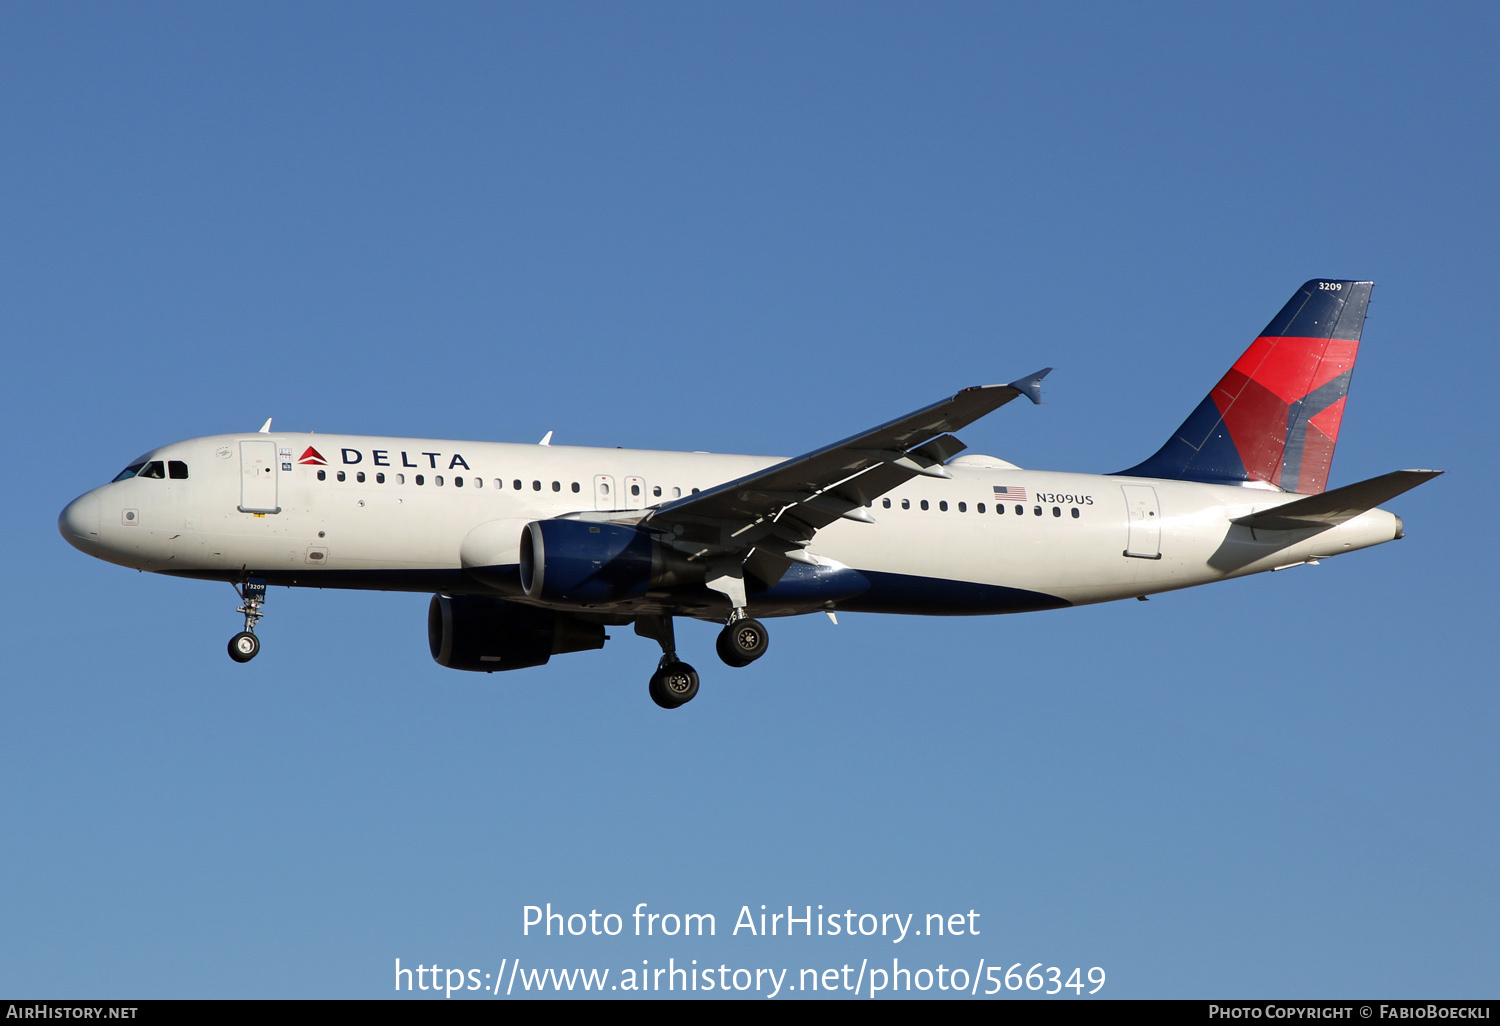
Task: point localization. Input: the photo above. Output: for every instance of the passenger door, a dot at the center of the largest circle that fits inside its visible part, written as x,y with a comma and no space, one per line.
1144,540
258,477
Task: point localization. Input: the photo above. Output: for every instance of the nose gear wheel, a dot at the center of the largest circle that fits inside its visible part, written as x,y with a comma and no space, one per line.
243,647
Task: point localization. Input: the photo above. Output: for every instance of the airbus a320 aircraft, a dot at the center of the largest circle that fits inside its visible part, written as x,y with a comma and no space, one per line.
534,550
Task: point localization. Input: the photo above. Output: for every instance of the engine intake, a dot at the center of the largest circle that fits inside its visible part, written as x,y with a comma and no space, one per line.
474,632
596,564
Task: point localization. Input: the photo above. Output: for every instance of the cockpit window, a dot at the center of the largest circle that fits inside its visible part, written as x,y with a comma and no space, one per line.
155,469
128,472
177,470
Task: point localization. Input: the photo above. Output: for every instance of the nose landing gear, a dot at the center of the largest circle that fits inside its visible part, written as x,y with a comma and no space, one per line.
244,646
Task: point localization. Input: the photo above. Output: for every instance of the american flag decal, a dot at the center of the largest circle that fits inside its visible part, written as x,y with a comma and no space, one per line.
1010,493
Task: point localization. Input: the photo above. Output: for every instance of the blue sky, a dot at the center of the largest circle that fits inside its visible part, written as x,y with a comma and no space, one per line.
745,228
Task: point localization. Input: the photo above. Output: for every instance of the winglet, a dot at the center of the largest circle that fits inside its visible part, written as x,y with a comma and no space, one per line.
1031,385
265,429
546,439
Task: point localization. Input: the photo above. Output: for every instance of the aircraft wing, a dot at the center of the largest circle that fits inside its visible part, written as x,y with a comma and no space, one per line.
1331,508
778,510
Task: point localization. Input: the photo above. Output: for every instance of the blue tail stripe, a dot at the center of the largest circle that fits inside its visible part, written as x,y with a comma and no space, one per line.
1201,450
1322,308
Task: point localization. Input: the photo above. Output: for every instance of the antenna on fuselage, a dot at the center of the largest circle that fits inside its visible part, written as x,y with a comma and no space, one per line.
265,429
546,439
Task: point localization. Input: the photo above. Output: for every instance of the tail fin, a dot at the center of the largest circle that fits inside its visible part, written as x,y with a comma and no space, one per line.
1275,416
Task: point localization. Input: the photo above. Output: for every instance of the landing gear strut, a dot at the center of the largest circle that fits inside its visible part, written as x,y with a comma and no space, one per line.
743,640
244,646
674,683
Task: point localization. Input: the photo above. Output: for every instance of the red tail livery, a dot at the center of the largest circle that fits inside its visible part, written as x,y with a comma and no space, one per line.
1275,416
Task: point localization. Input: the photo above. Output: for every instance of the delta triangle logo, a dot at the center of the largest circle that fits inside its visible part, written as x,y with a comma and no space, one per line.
313,457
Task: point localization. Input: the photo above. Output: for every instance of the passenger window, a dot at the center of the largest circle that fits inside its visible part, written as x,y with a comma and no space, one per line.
479,482
695,491
130,471
999,508
979,508
676,493
1075,512
359,475
943,505
517,483
575,487
885,503
341,475
499,484
1057,511
380,478
458,482
906,504
437,481
177,470
155,470
557,486
1021,510
419,479
963,507
322,475
1037,510
536,486
635,490
924,503
656,491
401,479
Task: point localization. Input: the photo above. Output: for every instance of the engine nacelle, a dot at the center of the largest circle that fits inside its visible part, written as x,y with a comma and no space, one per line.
596,564
474,632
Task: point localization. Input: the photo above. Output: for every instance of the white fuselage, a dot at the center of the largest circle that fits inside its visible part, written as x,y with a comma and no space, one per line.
425,512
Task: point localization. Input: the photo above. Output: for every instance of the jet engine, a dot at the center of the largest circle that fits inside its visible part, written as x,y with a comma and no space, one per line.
577,562
475,632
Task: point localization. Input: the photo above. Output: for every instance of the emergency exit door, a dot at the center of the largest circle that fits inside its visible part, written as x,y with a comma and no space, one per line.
604,492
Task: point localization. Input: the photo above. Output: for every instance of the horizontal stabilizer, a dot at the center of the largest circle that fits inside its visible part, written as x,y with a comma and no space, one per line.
1329,509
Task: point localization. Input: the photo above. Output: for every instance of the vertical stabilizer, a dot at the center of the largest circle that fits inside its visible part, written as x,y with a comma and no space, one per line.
1275,416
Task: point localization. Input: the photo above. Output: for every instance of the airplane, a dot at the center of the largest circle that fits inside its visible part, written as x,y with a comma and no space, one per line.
531,551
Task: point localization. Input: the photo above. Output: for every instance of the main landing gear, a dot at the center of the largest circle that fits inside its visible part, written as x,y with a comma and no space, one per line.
743,640
244,646
674,683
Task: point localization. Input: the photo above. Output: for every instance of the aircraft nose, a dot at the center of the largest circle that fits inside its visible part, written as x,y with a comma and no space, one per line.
79,523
